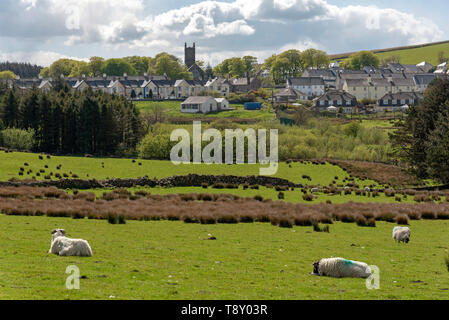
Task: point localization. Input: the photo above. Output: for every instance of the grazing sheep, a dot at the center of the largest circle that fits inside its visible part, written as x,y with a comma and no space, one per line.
314,190
341,268
401,234
63,246
367,189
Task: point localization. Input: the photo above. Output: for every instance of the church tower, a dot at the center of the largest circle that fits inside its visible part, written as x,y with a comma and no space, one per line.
190,55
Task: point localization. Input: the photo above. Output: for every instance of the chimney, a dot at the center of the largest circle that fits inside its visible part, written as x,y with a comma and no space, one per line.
40,77
61,76
83,76
17,77
248,79
125,75
104,75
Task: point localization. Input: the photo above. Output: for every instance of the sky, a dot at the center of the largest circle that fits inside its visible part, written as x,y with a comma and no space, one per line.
42,31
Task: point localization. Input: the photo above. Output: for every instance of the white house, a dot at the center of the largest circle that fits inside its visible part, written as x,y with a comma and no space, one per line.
199,105
311,86
222,104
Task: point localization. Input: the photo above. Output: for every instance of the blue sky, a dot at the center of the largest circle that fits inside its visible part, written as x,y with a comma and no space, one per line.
41,31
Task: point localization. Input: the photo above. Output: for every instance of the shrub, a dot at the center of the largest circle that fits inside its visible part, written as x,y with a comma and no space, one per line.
112,218
446,260
121,219
281,196
22,140
307,197
402,219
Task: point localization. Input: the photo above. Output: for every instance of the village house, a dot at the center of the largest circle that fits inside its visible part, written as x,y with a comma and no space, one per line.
311,86
222,104
220,85
201,104
338,99
289,95
394,101
244,85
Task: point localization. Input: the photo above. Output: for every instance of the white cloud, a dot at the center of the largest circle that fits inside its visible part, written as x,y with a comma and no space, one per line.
40,58
259,26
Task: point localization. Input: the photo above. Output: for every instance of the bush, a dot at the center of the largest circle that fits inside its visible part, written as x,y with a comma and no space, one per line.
156,147
446,260
22,140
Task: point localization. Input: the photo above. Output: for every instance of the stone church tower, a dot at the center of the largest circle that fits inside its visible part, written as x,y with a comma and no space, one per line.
190,55
190,61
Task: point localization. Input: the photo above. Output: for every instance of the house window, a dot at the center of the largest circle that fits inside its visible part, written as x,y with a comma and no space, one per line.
339,102
385,102
322,102
348,102
394,102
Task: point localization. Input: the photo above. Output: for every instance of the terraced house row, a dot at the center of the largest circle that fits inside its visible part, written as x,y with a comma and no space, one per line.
138,87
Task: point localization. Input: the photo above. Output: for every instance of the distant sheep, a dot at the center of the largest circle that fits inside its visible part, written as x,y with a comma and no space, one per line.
63,246
367,189
314,190
341,268
401,234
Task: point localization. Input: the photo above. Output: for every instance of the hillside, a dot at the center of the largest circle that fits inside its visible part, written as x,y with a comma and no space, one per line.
409,54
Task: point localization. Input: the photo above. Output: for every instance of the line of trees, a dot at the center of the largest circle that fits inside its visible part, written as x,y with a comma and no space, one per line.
66,122
24,70
423,138
161,64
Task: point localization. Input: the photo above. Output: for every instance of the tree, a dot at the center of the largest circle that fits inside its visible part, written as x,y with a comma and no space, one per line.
317,59
234,67
250,64
118,67
169,65
60,67
96,65
140,64
7,75
421,139
390,59
361,59
81,68
9,110
442,58
287,64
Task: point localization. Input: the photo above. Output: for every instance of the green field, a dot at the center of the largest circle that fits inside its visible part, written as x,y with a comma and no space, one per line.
417,55
267,193
173,260
410,55
91,168
172,109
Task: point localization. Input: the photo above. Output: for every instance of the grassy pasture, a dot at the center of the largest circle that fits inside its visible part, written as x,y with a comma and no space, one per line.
10,164
267,193
173,260
173,110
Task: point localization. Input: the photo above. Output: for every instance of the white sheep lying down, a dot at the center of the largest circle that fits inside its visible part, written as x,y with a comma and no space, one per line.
401,234
341,268
63,246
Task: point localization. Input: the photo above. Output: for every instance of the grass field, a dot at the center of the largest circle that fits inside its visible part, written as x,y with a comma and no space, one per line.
267,193
417,55
172,110
412,55
125,168
173,260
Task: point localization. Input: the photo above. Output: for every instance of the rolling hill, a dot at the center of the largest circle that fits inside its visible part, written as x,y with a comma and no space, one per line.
409,54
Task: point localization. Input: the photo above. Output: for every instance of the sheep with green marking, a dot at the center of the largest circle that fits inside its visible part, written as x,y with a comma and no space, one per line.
341,268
